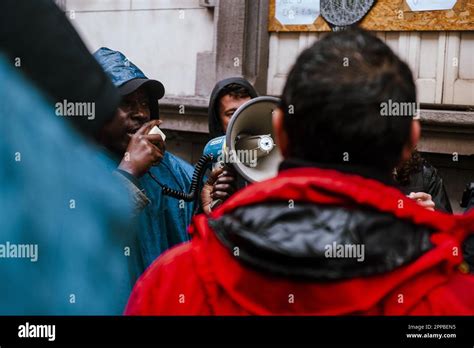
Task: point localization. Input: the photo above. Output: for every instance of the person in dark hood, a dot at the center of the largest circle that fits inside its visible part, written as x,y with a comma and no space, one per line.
56,60
226,97
331,234
420,181
141,157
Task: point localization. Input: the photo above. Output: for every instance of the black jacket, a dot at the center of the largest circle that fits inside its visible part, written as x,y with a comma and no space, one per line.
470,205
427,180
469,244
292,241
215,126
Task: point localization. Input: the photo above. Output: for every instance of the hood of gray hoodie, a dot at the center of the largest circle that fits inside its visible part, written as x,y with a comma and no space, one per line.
215,127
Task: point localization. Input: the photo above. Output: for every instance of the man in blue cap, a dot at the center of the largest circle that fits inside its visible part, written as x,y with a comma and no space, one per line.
142,159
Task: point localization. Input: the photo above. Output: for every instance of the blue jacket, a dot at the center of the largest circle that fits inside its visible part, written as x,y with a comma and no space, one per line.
58,197
163,222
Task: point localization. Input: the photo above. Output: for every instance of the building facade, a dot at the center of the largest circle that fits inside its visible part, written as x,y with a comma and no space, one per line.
189,45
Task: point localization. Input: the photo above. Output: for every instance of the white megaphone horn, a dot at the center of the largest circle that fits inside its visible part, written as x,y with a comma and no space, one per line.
250,140
249,146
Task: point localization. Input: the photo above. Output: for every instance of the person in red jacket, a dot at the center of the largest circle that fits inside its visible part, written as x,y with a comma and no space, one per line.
332,234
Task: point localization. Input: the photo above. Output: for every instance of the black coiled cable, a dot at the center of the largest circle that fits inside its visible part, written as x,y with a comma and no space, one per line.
198,174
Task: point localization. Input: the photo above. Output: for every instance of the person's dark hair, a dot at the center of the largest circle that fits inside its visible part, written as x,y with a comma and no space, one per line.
333,97
407,168
234,90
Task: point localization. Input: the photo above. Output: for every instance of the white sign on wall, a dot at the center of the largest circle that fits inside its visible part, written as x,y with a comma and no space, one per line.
431,5
296,12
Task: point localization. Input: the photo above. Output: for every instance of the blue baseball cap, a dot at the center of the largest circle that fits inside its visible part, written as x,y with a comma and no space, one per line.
127,77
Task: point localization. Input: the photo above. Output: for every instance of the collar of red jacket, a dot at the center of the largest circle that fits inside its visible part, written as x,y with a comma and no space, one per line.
261,294
332,187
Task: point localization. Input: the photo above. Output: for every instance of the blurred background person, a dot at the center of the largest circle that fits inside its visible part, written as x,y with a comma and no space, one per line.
57,194
420,181
41,43
467,201
57,191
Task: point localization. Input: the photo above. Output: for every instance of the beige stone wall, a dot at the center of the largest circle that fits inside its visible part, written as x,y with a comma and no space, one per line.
162,37
442,62
188,44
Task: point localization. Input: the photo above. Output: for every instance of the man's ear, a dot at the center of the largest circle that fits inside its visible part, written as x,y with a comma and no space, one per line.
412,141
280,132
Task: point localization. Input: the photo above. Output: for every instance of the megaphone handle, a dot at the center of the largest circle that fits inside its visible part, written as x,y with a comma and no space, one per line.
215,204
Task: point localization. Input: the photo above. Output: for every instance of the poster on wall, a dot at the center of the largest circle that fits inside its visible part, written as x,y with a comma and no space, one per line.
296,12
381,15
431,5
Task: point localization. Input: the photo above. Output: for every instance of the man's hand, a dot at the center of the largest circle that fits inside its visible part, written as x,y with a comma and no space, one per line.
144,150
423,199
219,186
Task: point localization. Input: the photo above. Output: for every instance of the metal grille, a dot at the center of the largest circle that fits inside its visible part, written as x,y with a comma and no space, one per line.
342,13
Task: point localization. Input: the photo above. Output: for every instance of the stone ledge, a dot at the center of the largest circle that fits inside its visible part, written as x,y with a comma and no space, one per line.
185,114
191,101
463,120
447,132
444,132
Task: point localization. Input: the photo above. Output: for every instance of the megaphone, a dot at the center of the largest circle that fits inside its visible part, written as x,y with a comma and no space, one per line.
248,146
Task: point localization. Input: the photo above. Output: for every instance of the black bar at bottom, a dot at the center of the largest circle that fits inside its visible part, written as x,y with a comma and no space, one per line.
135,331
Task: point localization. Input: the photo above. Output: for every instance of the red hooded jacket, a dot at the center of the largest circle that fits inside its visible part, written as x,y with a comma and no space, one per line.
208,276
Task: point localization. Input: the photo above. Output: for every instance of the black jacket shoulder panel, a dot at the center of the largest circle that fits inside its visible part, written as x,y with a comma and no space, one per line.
308,241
